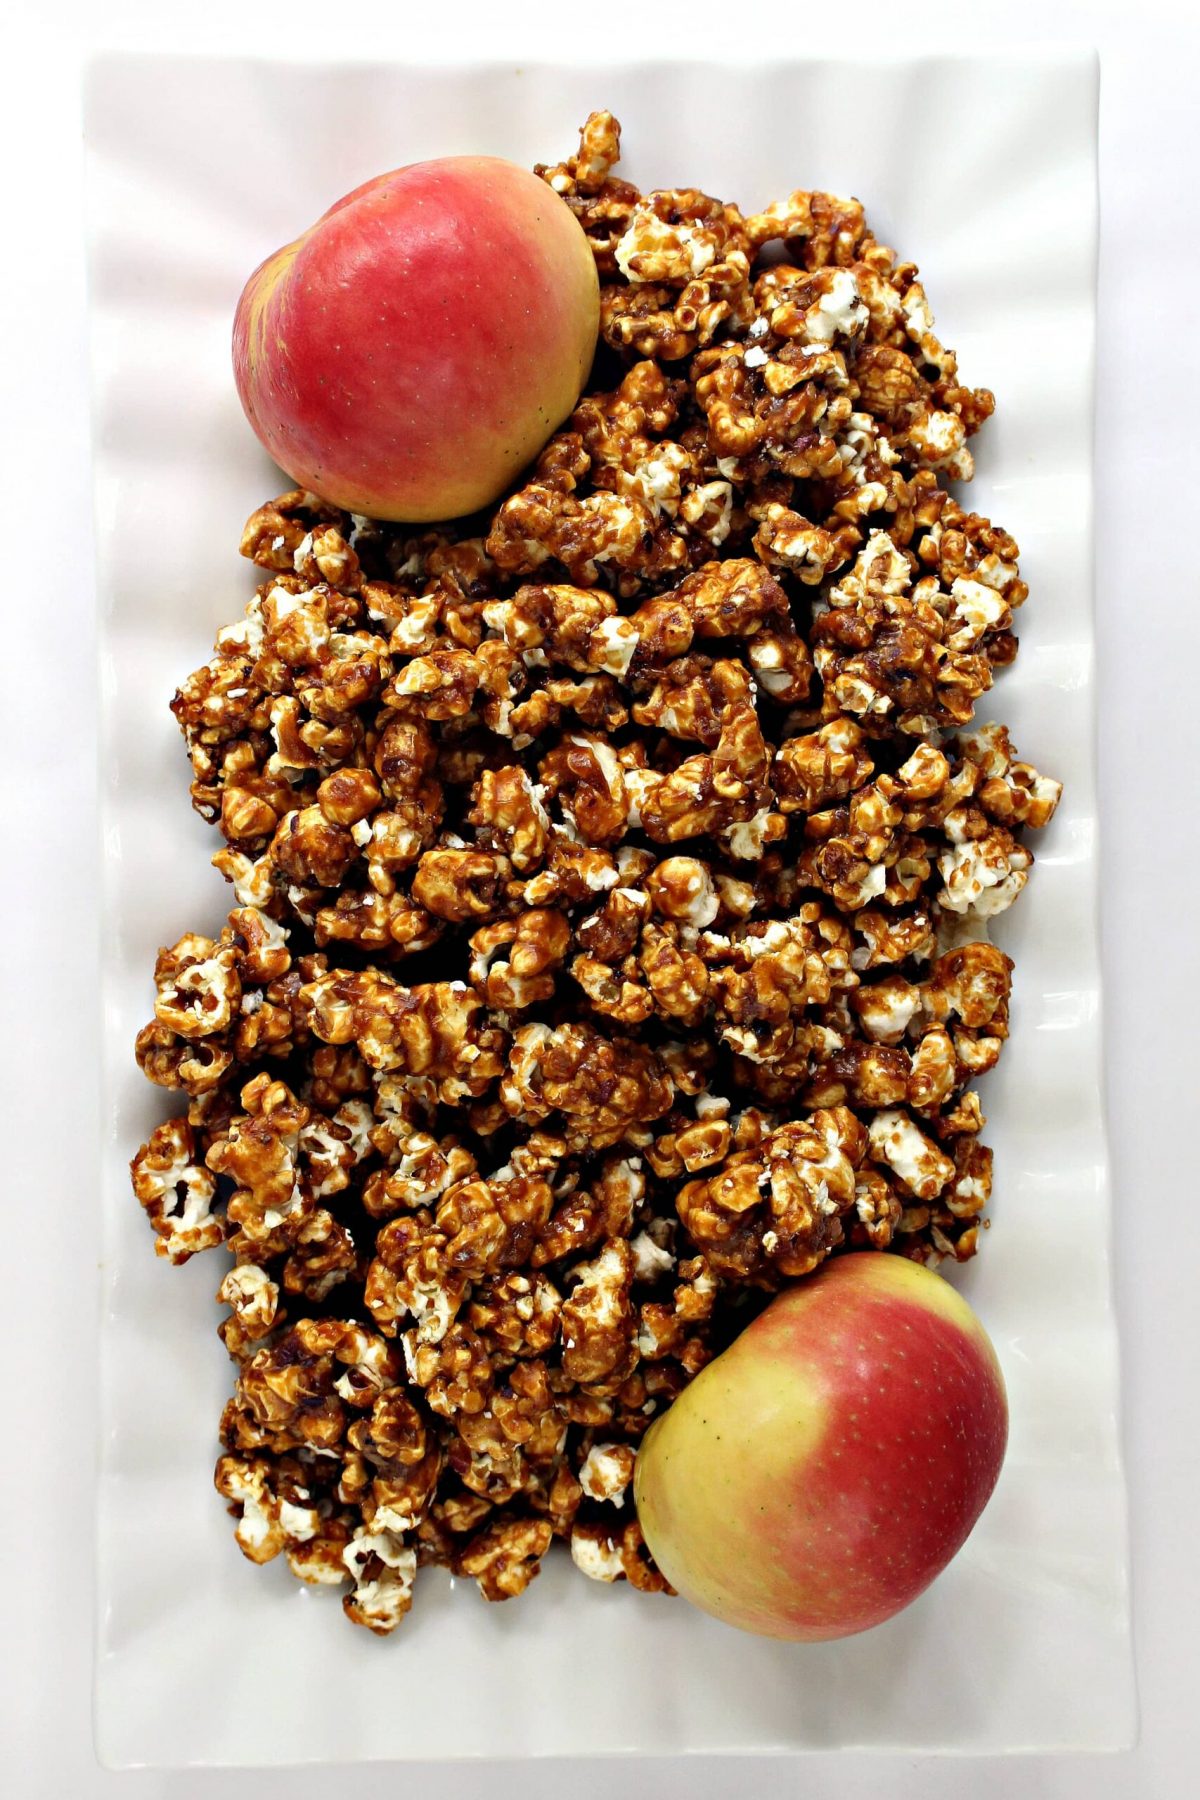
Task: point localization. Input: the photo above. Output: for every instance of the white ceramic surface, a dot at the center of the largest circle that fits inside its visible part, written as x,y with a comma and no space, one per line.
984,174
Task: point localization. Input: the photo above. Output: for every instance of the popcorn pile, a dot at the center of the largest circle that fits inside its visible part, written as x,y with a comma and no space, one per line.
612,879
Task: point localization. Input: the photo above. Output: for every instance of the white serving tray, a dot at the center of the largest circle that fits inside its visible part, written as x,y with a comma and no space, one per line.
983,171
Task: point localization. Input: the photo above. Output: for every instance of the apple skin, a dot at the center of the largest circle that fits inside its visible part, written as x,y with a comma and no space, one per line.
819,1474
409,354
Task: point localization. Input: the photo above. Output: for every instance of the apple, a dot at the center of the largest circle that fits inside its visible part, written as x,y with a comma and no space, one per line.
412,351
817,1475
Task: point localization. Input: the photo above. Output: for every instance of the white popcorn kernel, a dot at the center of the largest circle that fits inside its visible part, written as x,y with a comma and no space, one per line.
710,508
597,1560
606,1471
639,785
653,250
601,1283
247,633
886,1009
982,876
613,644
937,436
868,889
650,1260
977,607
747,838
300,1523
915,307
916,1159
766,659
702,904
839,312
254,1529
382,1599
252,1297
657,482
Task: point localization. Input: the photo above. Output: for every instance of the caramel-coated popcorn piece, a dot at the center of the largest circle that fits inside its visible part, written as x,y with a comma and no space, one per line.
505,1556
176,1192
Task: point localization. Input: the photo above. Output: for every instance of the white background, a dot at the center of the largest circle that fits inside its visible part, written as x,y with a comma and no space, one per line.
1149,641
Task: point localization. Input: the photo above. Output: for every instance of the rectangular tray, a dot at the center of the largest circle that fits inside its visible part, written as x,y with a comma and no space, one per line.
984,172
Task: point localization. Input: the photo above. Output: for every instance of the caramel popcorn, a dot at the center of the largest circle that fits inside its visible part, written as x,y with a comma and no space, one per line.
611,879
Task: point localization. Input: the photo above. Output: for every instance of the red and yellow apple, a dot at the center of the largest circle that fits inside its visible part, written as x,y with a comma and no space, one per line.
409,354
820,1473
